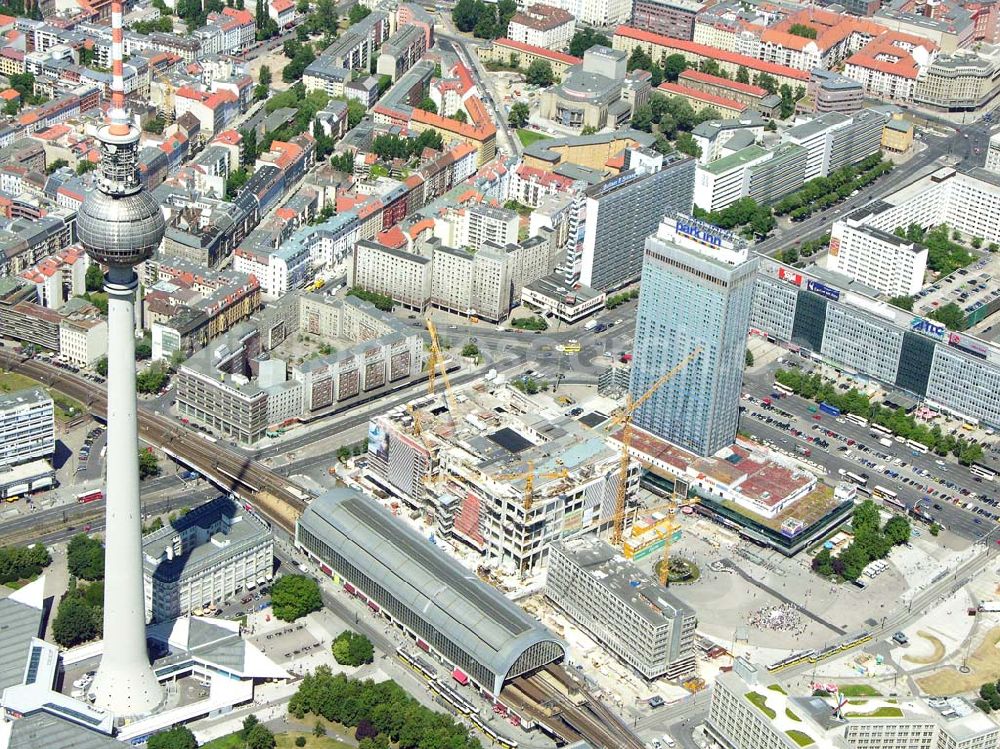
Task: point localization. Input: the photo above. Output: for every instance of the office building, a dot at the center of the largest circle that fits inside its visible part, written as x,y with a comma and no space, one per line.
960,82
674,18
613,218
831,92
443,607
27,421
751,710
204,558
826,316
627,611
877,258
697,290
993,154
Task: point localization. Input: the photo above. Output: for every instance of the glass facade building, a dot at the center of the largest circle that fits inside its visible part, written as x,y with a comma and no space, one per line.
697,291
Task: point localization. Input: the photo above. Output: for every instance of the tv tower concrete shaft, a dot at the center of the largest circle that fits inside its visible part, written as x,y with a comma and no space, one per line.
125,683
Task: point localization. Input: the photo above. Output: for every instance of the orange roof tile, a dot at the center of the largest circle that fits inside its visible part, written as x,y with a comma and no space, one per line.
710,99
703,50
549,54
745,88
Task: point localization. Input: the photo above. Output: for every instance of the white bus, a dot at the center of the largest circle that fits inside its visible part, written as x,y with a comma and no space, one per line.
859,480
783,389
878,430
983,472
917,446
888,496
856,420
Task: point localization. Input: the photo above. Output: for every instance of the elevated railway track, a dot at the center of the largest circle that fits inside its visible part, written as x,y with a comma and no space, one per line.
553,697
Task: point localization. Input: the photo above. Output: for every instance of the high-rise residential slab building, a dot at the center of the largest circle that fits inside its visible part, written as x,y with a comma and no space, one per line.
697,292
613,218
27,420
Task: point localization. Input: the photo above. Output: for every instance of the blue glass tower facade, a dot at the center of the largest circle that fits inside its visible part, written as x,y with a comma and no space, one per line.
697,290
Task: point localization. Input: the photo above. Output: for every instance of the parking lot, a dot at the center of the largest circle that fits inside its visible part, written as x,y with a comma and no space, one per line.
941,489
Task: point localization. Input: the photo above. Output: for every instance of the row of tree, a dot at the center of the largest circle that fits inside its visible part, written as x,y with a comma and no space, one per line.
870,542
815,388
380,712
822,192
388,147
381,301
744,213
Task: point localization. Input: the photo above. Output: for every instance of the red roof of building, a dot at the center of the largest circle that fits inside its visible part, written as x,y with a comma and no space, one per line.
280,6
890,54
228,137
393,237
703,50
716,80
550,54
9,94
710,99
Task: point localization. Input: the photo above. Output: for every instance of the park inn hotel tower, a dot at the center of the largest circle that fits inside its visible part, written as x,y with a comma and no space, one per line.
697,290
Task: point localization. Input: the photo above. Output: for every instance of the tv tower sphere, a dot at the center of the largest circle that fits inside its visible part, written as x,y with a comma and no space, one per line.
119,224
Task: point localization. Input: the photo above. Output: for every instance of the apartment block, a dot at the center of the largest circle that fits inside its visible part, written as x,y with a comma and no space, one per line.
877,258
627,611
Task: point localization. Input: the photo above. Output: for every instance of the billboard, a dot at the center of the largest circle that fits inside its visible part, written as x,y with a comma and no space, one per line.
699,232
378,440
823,290
790,276
928,328
968,344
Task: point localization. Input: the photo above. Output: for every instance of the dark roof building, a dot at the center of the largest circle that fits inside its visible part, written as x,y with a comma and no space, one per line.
442,605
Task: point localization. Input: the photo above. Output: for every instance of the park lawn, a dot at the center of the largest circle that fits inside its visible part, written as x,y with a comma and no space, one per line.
802,739
760,702
285,741
776,688
859,690
527,137
65,408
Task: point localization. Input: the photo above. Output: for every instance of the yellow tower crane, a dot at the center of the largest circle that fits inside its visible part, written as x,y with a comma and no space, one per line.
437,358
529,477
624,418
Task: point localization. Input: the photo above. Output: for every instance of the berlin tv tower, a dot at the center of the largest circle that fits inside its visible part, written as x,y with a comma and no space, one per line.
120,225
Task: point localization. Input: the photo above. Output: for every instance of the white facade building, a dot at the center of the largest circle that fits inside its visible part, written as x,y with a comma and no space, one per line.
27,419
543,26
876,258
205,558
83,341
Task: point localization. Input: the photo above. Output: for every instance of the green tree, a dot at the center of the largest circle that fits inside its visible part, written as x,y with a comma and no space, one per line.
897,530
179,737
22,562
686,144
585,39
950,315
519,114
358,12
352,649
85,166
460,116
428,105
642,118
822,563
85,557
639,60
852,562
260,736
294,596
673,66
935,529
148,464
801,29
56,165
101,367
76,622
144,348
903,302
767,82
866,517
540,73
151,380
470,350
94,278
742,75
748,358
